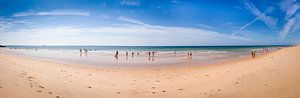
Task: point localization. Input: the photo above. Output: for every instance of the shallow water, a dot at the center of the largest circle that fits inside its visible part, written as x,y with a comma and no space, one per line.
164,55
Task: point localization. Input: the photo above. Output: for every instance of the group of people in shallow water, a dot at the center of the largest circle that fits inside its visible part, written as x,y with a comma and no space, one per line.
253,52
83,50
151,54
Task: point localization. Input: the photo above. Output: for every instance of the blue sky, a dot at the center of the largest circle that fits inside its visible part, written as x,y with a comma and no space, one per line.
149,22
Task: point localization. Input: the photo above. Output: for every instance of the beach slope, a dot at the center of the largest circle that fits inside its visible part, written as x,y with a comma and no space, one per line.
272,75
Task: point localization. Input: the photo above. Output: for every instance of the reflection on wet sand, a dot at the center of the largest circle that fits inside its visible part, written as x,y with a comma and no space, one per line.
138,58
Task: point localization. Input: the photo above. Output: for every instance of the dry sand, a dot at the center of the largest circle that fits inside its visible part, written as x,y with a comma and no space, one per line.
273,75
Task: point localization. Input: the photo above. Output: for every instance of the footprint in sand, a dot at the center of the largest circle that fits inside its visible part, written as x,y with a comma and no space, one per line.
153,87
266,84
41,87
180,89
118,92
207,75
153,92
219,90
50,92
31,77
39,91
0,86
57,97
163,91
236,82
89,87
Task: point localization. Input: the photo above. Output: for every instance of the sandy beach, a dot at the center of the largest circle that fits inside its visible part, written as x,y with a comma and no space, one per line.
271,75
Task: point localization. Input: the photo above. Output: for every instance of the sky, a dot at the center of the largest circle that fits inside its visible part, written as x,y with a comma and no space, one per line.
149,22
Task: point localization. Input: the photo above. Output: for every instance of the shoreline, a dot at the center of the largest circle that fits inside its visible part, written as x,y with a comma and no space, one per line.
22,76
127,64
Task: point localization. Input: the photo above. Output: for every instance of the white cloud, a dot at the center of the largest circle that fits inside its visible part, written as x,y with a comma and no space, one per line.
131,20
269,21
138,33
291,25
175,1
130,2
6,24
53,12
248,24
290,7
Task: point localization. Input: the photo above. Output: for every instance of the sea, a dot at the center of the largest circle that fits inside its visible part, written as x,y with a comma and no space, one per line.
138,56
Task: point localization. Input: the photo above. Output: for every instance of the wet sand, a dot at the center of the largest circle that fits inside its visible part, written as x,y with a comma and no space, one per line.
272,75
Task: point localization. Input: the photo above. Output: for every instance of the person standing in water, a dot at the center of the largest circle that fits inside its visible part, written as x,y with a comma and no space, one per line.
85,51
126,55
132,54
80,50
153,54
117,55
190,54
175,53
149,53
253,54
